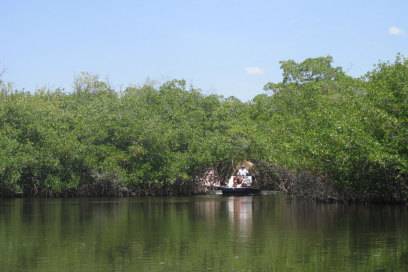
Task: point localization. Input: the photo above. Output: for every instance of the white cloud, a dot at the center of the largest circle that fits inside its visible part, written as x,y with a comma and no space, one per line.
395,31
254,71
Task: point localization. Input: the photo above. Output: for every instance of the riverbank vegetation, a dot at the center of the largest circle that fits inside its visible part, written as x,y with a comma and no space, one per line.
350,131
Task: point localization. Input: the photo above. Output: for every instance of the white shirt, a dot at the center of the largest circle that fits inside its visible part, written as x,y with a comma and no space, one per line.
242,172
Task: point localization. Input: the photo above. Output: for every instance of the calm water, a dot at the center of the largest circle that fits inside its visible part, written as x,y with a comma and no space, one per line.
211,233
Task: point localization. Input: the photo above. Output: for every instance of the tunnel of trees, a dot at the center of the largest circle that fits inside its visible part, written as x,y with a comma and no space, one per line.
351,132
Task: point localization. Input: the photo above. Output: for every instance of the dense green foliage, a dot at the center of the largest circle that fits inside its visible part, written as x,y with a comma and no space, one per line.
353,131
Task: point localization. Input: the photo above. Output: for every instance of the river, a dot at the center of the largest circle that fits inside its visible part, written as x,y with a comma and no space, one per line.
205,233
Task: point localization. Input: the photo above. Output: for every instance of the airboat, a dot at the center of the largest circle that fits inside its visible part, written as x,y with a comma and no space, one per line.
240,185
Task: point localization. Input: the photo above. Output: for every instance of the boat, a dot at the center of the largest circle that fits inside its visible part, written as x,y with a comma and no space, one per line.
238,191
241,188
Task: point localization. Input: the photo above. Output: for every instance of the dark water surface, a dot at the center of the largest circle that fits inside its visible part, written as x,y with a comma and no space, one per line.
212,233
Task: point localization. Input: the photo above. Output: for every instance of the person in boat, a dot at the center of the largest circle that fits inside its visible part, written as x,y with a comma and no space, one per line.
241,174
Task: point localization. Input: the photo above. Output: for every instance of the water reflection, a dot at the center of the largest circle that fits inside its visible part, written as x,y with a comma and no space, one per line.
240,214
238,210
200,234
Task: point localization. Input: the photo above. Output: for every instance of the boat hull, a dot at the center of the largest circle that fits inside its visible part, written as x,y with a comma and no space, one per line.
239,191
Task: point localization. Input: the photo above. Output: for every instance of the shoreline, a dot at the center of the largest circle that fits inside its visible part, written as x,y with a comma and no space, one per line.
263,193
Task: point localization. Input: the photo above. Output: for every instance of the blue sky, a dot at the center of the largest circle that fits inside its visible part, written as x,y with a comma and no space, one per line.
226,47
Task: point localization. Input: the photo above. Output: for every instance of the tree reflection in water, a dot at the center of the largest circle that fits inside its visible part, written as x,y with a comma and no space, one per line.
200,234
